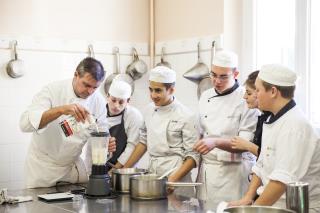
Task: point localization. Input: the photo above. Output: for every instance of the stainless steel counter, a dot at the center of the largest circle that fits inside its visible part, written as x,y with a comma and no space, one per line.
123,203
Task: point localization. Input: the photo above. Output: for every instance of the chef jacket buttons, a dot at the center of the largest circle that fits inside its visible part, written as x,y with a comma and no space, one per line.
208,100
205,116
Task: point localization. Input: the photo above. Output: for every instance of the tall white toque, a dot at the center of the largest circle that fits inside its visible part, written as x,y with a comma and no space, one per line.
120,89
162,74
225,58
278,75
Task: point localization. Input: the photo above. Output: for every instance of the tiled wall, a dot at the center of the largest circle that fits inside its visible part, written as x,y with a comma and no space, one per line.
43,67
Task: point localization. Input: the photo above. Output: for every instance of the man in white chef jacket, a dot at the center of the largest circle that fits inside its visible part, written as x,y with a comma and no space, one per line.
290,145
124,123
169,132
53,157
223,115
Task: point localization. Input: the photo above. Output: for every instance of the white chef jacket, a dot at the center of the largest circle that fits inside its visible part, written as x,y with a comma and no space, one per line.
290,152
133,121
225,116
169,133
52,156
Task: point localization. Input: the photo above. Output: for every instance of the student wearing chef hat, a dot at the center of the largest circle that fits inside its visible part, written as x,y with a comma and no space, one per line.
224,114
290,145
169,132
124,122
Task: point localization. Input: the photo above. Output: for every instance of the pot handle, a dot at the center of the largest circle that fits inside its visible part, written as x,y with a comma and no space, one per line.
162,54
182,184
135,56
14,49
117,60
90,50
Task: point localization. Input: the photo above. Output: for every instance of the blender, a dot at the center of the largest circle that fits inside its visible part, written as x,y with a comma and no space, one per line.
99,180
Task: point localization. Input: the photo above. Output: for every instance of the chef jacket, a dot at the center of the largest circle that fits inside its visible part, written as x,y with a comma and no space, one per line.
225,116
52,156
290,152
169,131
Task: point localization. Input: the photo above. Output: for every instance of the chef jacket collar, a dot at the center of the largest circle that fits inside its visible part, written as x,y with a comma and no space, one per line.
166,107
108,112
228,91
283,111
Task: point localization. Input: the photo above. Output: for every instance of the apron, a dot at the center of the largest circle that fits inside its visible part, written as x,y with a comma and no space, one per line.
45,172
157,139
118,131
221,181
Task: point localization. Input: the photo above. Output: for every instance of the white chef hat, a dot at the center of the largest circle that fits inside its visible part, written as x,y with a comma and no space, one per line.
225,58
162,74
120,89
277,74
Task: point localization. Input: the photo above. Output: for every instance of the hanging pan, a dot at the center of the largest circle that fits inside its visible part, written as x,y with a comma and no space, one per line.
15,67
118,75
199,71
162,61
137,67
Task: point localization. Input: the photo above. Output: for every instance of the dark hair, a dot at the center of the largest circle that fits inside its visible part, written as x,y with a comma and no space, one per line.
168,85
252,79
91,66
286,92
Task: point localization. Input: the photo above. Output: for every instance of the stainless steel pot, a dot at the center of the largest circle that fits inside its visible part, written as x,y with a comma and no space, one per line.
137,67
120,178
257,209
151,187
162,61
15,67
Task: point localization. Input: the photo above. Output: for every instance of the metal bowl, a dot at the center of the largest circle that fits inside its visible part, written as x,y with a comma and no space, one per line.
257,209
121,178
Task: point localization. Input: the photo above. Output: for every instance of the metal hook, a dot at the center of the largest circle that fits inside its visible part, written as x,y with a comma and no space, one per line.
91,52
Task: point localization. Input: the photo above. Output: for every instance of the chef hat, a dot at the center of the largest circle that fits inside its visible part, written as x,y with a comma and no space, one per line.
162,74
277,74
120,89
225,58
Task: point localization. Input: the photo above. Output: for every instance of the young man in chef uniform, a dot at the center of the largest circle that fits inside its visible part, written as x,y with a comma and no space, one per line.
53,157
169,132
290,145
124,123
223,115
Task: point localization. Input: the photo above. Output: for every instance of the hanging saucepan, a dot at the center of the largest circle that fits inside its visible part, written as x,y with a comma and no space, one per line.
198,71
117,74
151,187
206,83
137,67
162,61
90,51
15,67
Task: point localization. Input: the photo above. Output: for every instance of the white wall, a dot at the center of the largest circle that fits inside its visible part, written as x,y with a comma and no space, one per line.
107,20
111,22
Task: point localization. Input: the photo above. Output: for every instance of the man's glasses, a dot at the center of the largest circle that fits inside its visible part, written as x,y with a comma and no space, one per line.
220,77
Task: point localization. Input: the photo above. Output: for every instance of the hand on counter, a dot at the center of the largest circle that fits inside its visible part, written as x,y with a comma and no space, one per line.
242,202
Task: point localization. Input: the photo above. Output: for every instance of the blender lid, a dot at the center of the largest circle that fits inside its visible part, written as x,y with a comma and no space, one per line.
100,134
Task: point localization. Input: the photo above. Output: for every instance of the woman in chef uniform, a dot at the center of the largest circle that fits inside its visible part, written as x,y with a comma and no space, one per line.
169,132
250,96
124,122
290,145
53,157
223,115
